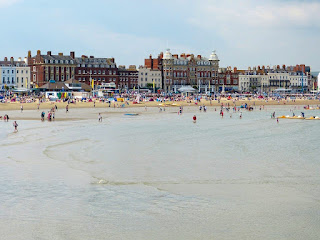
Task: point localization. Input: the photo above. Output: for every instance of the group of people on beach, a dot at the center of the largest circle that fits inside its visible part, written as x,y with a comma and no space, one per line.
51,114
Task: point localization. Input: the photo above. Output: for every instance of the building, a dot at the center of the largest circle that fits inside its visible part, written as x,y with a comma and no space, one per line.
148,77
128,77
51,67
268,79
14,74
186,69
100,70
228,79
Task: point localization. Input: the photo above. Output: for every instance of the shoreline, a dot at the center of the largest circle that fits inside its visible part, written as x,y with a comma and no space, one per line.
153,104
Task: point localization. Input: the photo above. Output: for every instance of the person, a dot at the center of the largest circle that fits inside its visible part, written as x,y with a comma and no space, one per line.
42,116
56,107
52,115
94,104
194,118
240,115
15,125
100,118
302,114
277,120
21,108
67,108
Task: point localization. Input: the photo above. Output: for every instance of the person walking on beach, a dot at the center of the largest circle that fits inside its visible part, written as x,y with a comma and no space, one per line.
194,118
15,125
21,108
100,118
67,108
240,115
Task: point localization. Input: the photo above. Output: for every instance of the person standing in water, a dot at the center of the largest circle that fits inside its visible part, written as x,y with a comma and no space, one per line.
194,118
67,108
15,125
100,118
21,108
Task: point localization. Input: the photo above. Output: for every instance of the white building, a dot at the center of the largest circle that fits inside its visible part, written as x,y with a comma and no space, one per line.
14,74
250,81
148,77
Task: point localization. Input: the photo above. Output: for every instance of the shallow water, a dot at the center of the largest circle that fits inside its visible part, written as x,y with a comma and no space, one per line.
160,176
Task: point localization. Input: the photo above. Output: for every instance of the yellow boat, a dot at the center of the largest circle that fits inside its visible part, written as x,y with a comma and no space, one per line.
313,118
294,117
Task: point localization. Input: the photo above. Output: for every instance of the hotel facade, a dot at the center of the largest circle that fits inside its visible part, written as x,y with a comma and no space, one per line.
14,74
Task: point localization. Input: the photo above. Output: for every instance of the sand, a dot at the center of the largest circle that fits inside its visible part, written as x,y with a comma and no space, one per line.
61,105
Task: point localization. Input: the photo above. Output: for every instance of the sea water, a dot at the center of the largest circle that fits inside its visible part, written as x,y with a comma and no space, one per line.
158,175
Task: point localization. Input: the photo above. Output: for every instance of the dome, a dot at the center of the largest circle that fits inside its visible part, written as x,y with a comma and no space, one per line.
167,55
213,56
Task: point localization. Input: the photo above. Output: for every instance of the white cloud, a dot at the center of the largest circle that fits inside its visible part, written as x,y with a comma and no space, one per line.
262,32
6,3
126,48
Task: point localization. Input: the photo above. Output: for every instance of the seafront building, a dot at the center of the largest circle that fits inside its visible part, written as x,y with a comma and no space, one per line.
228,79
128,77
98,70
149,77
14,74
268,79
51,67
186,69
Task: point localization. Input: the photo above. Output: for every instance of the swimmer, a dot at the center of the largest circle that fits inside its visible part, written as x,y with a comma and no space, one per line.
100,118
194,118
15,125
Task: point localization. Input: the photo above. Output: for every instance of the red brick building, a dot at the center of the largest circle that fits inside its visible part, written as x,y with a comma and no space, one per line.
50,67
128,77
228,79
186,69
101,70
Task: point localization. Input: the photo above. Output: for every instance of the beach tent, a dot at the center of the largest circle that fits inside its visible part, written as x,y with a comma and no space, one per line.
186,89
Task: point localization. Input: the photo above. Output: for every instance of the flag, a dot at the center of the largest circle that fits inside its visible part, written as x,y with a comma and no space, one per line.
92,84
153,84
134,88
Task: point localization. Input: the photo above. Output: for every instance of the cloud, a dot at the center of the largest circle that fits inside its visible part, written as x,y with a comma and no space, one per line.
7,3
262,32
126,48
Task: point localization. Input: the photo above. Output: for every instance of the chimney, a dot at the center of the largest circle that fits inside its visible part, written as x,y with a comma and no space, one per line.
29,54
284,67
49,53
183,55
263,68
19,59
91,56
199,56
235,69
25,60
60,54
38,52
112,60
278,67
5,59
259,68
72,55
12,60
150,57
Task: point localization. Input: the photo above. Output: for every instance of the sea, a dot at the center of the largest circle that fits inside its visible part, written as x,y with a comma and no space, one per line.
159,175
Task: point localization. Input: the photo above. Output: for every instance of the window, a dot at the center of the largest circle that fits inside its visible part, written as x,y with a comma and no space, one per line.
17,71
17,80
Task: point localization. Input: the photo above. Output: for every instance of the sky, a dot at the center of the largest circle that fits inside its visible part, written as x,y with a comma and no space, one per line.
243,32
